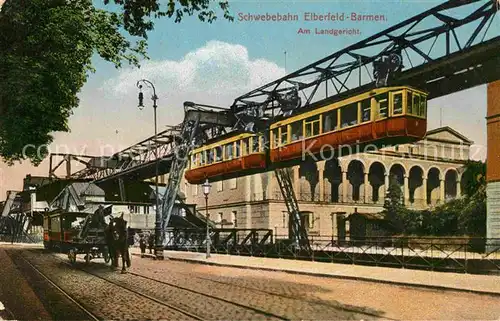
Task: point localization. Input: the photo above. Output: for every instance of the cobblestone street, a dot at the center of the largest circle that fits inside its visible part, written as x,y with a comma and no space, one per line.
176,290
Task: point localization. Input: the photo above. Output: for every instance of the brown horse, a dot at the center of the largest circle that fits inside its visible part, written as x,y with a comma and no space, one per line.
117,241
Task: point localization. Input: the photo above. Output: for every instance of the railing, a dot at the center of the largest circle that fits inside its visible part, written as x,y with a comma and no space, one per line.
415,203
454,254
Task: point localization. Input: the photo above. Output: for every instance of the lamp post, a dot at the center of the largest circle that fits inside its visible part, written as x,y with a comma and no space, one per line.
206,191
158,219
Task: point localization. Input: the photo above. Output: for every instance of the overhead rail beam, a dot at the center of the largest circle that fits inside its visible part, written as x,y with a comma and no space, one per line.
424,43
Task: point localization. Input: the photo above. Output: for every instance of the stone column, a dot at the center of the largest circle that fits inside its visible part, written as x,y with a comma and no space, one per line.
424,190
367,189
459,190
344,186
386,188
406,188
441,191
321,180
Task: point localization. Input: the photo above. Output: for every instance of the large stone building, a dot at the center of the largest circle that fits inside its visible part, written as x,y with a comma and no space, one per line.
328,191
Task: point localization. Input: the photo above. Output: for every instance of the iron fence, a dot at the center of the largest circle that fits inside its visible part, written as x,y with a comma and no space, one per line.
453,254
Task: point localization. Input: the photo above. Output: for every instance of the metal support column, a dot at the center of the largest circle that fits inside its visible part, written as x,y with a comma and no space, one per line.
300,237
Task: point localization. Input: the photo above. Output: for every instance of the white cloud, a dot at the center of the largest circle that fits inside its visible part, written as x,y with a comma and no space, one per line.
218,70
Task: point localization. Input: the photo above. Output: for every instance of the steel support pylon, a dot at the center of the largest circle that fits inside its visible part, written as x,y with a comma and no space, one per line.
181,158
300,236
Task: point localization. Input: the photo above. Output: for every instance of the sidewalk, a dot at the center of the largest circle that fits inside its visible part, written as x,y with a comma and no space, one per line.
480,284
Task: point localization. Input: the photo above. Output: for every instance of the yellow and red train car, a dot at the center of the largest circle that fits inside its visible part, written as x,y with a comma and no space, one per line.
390,115
242,152
386,115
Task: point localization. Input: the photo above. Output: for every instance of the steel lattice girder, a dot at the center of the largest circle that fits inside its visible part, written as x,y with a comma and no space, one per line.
349,70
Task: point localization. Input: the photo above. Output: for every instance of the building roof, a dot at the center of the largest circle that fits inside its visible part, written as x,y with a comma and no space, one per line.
452,133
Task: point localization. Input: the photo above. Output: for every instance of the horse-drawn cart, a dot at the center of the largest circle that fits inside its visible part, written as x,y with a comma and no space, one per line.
91,239
87,233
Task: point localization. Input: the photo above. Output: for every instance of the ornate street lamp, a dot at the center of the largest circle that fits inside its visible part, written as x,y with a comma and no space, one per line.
206,190
158,219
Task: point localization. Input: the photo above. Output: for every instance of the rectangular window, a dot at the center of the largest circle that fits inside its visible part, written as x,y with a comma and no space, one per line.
382,104
423,106
220,186
330,121
312,126
398,103
284,135
237,149
416,104
228,151
211,156
308,220
234,218
296,129
218,153
366,110
255,144
232,183
409,103
274,138
202,158
246,146
349,115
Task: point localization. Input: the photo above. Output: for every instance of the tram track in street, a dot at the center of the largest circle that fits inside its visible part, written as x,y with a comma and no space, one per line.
260,292
211,296
87,314
188,315
171,306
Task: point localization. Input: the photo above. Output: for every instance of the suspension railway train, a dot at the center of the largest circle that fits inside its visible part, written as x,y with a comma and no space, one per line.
388,115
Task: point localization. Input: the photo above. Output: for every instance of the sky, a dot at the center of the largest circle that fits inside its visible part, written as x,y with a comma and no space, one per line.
215,63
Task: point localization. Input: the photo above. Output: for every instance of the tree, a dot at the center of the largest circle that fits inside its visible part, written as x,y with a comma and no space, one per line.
46,48
393,206
474,177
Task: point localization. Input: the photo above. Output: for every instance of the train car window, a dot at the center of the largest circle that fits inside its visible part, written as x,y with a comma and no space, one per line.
284,135
228,151
366,108
246,146
193,160
255,144
237,149
416,104
423,106
203,159
218,153
330,121
398,103
274,138
409,103
383,104
296,129
312,126
349,115
210,156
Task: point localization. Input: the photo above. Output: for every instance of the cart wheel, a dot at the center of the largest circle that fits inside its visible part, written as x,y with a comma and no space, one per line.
88,257
105,255
128,259
72,256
